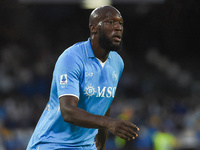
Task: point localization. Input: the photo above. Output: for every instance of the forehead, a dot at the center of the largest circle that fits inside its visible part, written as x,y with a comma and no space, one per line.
104,13
110,14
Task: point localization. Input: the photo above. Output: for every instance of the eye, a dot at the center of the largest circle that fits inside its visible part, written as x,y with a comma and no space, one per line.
111,22
121,23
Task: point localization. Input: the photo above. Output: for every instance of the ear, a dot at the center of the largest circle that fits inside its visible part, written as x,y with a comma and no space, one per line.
93,29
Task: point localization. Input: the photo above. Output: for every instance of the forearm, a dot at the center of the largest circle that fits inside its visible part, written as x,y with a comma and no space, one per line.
82,118
77,116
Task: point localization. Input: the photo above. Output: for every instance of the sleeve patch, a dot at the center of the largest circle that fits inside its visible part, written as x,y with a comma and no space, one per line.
63,79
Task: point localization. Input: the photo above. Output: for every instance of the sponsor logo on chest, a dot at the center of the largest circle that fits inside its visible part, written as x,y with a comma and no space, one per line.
100,92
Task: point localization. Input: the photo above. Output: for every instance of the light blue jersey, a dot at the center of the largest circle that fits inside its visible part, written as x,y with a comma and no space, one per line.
79,73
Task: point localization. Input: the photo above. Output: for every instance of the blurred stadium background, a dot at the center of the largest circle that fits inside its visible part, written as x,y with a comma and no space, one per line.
159,90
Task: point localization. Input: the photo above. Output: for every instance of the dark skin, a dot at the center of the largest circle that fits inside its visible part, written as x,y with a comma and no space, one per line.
109,21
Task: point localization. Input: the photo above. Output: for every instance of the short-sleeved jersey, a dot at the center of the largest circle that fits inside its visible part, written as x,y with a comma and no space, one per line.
78,73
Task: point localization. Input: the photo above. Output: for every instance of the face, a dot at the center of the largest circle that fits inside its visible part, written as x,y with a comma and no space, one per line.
110,31
107,43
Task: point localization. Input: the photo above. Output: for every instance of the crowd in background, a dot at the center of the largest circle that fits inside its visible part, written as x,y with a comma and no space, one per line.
158,91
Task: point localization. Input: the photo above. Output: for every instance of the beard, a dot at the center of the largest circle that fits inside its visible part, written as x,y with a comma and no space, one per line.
107,44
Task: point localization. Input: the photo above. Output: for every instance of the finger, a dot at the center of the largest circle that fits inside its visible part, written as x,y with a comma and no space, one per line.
128,134
131,125
130,131
121,135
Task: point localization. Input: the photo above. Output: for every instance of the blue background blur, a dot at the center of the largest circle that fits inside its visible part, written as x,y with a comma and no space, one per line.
159,90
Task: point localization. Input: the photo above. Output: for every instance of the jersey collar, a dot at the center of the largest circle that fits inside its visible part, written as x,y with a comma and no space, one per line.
89,50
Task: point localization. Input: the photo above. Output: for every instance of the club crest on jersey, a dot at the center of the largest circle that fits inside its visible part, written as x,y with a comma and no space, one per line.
114,76
63,79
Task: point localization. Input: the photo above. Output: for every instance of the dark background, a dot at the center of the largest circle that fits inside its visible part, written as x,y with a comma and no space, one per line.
158,91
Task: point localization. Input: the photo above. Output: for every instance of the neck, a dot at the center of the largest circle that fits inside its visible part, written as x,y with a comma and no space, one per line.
98,51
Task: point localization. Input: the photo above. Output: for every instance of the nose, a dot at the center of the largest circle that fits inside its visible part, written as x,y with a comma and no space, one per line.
118,26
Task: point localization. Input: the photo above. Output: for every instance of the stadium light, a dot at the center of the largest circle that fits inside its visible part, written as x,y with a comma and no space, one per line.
91,4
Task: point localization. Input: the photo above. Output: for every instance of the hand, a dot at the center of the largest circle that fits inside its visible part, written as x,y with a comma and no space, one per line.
123,129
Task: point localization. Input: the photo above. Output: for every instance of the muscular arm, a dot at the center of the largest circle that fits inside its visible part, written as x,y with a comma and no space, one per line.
77,116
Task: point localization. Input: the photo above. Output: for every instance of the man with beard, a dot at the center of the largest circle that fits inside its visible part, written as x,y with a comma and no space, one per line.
84,82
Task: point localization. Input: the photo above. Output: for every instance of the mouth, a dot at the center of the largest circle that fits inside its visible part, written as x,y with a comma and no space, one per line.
117,38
